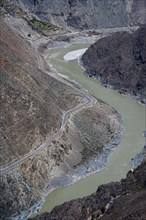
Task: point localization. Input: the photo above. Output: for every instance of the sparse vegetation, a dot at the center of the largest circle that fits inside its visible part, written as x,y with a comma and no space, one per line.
90,129
42,26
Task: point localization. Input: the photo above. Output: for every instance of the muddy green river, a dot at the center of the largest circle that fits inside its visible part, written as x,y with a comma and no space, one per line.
133,115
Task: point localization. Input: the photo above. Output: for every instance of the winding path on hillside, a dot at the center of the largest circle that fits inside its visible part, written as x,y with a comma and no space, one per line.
87,101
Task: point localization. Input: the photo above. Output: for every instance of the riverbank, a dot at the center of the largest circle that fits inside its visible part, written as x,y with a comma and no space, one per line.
104,83
139,158
95,164
30,95
92,166
121,90
87,167
107,201
67,181
77,55
130,110
119,62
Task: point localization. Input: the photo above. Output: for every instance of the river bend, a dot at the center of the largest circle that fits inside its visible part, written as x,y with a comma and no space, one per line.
132,113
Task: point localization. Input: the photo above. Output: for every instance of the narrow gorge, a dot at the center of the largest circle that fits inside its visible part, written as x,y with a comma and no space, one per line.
58,124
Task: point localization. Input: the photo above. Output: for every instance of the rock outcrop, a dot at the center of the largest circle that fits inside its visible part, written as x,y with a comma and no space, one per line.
84,14
116,201
120,60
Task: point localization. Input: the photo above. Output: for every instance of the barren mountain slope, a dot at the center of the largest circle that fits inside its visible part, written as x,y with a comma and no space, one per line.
32,106
88,14
31,101
120,60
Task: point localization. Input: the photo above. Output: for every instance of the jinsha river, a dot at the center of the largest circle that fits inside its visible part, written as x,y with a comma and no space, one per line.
132,113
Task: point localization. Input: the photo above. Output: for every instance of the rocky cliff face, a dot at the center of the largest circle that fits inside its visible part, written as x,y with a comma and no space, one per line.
88,14
116,201
120,60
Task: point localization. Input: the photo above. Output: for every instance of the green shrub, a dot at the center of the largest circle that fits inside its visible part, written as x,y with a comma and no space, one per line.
41,25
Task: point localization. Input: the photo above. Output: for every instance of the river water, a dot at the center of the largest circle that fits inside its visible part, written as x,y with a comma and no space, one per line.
133,116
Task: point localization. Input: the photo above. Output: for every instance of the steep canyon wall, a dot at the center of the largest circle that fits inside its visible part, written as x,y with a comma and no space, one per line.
88,14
